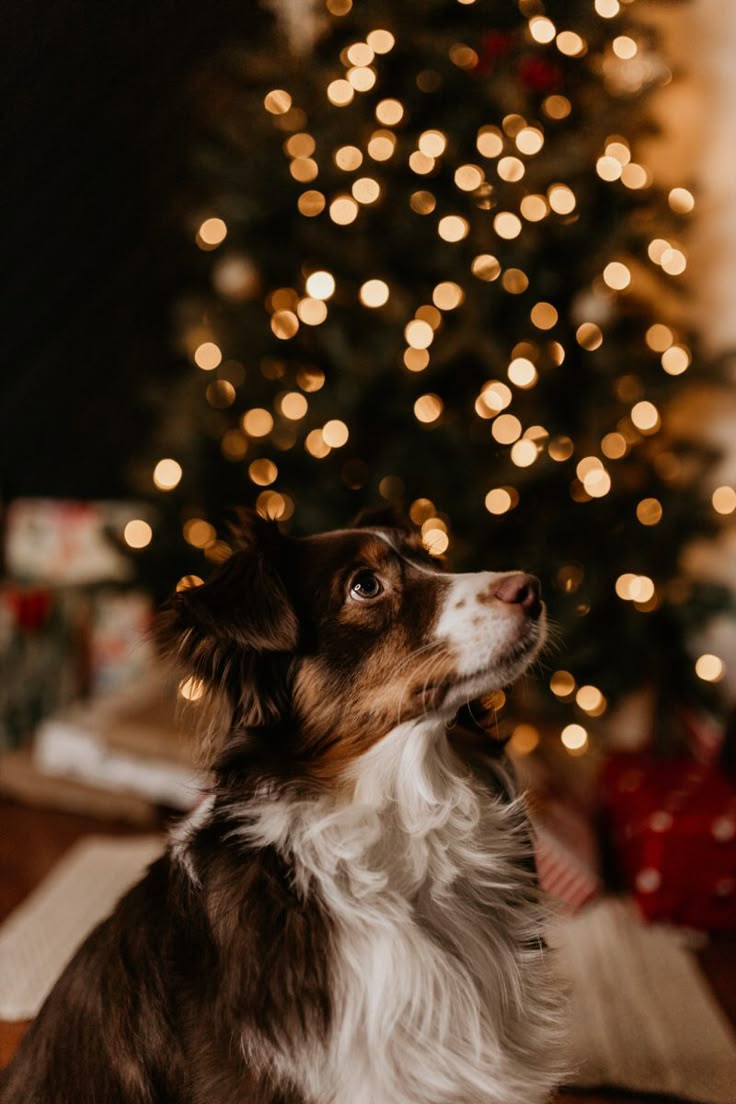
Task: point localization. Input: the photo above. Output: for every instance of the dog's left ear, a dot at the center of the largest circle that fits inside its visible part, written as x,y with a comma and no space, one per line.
381,517
241,620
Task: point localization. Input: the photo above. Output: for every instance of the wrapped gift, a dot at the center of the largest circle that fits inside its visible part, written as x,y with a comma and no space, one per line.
673,834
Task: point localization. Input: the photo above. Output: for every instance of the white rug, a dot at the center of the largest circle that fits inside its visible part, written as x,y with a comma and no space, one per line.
641,1016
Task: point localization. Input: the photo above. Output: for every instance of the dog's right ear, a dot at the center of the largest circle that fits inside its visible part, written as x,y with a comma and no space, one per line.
219,631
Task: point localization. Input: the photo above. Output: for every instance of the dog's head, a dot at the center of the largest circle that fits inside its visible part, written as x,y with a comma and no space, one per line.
321,645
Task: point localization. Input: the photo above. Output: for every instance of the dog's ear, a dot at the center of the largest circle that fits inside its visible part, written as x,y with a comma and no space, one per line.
381,517
235,631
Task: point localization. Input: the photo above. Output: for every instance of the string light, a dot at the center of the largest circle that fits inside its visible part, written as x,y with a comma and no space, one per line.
591,701
507,225
137,533
709,668
311,203
589,336
675,360
167,474
448,295
416,360
191,688
207,356
428,408
500,500
381,145
380,41
432,143
724,500
263,472
211,233
468,177
312,312
561,199
374,293
522,372
199,533
506,429
419,334
293,405
486,267
188,582
316,445
365,189
562,684
624,47
524,453
617,276
422,202
645,417
489,141
453,228
277,102
510,169
649,511
524,739
284,324
335,433
544,316
257,422
534,208
389,112
542,29
340,92
681,201
574,739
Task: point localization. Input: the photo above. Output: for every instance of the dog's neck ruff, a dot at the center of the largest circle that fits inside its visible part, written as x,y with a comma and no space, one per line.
440,993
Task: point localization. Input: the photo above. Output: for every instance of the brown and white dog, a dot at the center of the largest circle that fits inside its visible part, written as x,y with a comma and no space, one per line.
351,916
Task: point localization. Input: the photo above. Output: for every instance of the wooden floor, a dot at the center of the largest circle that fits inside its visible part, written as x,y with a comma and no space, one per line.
32,841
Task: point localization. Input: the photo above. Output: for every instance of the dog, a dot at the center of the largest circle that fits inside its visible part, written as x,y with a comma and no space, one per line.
351,915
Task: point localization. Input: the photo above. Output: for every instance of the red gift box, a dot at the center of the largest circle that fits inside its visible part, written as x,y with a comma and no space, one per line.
673,831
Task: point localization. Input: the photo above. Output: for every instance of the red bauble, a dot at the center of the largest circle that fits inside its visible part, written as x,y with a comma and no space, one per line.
539,75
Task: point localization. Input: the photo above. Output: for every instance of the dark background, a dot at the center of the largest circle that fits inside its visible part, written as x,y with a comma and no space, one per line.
100,110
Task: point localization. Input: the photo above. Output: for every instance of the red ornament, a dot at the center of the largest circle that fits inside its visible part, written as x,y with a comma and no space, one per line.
673,828
539,75
31,608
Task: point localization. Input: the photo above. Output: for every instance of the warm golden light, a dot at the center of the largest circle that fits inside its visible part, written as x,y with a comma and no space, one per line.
340,92
343,210
348,158
188,582
574,739
522,372
257,422
422,202
709,668
570,44
381,145
389,112
659,337
432,143
316,445
515,281
304,169
589,336
137,533
421,510
542,29
274,506
645,417
524,453
624,47
524,739
656,248
199,533
560,449
335,433
453,228
724,500
277,102
673,261
529,141
498,501
561,199
681,201
233,445
557,107
167,474
486,267
447,295
607,9
614,446
428,408
649,511
212,232
360,53
207,356
675,360
381,41
191,689
293,405
300,145
416,360
468,178
311,203
374,293
312,312
361,77
534,208
544,316
263,472
436,541
609,168
495,396
562,684
590,700
420,163
419,334
616,276
506,429
320,285
489,141
635,176
511,169
365,189
507,225
284,324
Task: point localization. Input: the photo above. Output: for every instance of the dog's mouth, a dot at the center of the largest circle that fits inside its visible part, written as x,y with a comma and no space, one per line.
454,690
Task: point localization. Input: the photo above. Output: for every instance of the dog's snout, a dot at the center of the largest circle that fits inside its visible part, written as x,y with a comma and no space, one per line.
521,590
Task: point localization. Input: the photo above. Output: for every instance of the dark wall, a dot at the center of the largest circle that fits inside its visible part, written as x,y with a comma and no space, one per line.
99,107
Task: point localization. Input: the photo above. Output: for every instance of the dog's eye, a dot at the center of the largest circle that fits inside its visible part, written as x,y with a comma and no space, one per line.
365,585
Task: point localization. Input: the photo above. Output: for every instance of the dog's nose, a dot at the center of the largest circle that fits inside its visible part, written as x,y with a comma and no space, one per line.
522,590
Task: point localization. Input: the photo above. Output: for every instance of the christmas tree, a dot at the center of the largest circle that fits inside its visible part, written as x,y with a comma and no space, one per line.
432,270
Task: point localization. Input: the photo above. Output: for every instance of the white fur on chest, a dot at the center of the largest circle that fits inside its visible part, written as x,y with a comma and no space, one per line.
440,990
